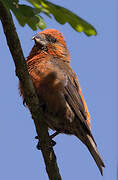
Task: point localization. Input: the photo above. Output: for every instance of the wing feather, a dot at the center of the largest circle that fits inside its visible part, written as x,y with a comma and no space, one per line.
75,101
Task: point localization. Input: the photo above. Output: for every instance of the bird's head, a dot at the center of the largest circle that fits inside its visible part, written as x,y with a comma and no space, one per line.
52,42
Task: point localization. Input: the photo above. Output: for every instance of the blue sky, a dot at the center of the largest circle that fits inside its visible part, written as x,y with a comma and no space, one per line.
94,59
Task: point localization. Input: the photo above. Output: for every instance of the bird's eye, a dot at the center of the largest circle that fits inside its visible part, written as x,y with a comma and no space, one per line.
51,39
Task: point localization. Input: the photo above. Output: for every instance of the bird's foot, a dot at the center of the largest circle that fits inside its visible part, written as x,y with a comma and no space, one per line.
53,143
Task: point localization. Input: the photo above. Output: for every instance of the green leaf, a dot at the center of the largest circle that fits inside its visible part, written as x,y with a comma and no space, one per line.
26,14
36,4
63,15
30,15
10,3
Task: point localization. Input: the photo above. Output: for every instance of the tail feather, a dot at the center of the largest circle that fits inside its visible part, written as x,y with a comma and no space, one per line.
95,154
89,142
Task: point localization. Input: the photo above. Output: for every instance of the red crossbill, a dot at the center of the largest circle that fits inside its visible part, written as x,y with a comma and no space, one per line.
58,89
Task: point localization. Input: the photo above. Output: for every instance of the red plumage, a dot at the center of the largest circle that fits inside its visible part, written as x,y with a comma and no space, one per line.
58,89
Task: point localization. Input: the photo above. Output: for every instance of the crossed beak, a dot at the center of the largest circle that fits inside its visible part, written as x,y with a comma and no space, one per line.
40,39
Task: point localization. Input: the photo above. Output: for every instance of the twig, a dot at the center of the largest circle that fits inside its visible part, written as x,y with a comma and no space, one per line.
29,93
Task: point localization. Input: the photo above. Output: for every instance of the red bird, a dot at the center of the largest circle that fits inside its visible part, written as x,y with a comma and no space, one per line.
59,91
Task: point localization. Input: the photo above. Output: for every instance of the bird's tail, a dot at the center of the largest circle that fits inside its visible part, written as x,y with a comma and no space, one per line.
92,147
94,152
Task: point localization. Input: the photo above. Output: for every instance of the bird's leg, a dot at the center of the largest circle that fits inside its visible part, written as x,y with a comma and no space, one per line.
53,143
54,134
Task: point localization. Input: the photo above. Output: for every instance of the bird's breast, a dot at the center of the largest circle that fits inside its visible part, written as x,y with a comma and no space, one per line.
49,83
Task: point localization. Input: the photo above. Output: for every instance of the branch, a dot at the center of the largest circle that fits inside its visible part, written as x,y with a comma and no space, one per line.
29,93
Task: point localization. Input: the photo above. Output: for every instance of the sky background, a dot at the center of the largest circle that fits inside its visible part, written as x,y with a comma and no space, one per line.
94,59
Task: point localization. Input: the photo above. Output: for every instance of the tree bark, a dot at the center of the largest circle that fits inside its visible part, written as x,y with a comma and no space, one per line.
29,93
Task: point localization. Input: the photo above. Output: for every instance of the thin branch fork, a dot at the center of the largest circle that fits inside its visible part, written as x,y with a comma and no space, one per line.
29,93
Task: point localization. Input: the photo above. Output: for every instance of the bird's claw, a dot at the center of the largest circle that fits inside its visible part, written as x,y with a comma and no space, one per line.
53,143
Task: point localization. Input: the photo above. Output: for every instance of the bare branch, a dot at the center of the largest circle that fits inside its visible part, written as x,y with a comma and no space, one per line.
29,93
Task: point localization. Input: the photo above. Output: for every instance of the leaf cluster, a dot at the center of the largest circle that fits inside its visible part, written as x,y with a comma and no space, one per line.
31,15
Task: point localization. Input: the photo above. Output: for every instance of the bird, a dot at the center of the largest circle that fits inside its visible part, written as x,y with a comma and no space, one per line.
59,91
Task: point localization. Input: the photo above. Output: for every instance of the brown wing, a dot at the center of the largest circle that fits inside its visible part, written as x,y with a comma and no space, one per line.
83,102
75,100
73,91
